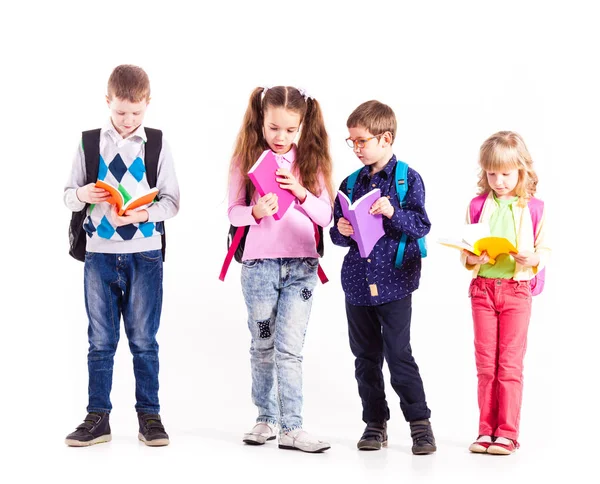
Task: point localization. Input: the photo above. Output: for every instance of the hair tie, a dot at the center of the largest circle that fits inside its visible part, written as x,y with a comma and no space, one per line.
304,94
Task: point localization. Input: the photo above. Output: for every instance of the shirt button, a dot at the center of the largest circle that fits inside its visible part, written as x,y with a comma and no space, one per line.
368,260
373,185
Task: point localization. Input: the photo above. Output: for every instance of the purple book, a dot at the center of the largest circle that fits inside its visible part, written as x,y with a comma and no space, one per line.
368,229
262,175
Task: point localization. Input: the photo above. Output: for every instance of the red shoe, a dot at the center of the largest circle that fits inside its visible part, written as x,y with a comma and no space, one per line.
480,447
499,448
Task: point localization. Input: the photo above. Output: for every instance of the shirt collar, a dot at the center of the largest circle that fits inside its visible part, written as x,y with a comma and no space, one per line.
290,156
108,127
386,172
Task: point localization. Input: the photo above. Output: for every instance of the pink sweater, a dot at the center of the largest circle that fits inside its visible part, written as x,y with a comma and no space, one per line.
293,235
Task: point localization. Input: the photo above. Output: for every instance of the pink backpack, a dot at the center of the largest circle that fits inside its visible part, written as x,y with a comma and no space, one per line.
536,208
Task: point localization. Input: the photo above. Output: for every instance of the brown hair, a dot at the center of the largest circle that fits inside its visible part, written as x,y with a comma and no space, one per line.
506,150
313,159
130,83
375,117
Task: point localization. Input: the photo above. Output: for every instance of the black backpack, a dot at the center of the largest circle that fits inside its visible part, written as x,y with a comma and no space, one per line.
91,150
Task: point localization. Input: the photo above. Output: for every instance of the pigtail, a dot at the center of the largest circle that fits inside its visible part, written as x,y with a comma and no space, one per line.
250,142
314,159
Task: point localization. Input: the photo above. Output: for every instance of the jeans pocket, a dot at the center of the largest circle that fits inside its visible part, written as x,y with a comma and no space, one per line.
475,290
522,290
89,255
150,255
250,263
311,262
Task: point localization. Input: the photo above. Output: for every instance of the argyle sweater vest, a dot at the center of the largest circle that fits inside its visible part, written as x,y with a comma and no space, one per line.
125,170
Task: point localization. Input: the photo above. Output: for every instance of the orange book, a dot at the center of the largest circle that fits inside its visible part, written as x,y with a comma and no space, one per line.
119,199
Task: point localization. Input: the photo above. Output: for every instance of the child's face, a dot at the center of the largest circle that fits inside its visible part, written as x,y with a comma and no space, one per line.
375,151
126,116
280,128
503,183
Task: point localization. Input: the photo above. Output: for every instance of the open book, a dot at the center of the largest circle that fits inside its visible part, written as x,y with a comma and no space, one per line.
124,201
262,175
476,239
368,229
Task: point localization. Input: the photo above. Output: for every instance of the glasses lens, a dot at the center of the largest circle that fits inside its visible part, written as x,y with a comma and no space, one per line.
350,143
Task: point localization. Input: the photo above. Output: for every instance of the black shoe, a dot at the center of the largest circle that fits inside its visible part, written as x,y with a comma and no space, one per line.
95,429
422,436
152,431
374,436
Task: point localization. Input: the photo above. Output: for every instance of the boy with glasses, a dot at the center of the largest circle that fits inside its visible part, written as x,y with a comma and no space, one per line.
378,294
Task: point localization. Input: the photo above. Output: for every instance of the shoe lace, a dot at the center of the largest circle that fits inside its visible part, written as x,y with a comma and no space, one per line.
421,433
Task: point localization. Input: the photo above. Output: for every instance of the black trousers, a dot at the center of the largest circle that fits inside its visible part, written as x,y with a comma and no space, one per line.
378,332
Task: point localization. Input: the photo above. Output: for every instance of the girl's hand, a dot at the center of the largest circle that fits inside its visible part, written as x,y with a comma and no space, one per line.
383,207
473,259
344,227
265,206
129,217
526,258
90,194
288,181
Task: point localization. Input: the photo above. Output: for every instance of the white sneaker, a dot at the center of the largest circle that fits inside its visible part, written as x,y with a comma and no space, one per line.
298,439
260,433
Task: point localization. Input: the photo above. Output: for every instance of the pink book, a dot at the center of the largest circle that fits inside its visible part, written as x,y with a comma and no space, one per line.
262,175
368,229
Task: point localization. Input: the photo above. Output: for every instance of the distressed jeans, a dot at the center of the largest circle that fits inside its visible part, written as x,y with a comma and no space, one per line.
128,285
278,295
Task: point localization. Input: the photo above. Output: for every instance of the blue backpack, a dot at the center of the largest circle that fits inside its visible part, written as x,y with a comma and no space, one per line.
401,173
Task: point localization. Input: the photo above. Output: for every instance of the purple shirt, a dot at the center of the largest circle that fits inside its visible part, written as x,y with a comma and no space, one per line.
294,234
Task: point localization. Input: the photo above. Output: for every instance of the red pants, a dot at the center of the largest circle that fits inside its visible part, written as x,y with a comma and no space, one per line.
501,311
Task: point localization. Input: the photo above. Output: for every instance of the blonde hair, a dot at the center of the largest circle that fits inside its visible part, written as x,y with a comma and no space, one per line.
313,158
129,83
506,150
375,117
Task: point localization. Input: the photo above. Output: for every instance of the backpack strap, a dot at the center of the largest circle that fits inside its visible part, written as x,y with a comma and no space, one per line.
322,277
351,182
152,155
536,209
90,141
401,177
476,207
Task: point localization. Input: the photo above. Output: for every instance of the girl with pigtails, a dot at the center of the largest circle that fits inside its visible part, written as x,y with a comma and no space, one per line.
280,260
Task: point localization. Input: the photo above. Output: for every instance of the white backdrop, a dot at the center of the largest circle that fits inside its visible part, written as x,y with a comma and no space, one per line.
454,72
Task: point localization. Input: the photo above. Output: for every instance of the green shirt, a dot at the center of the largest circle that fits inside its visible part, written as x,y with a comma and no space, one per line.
502,224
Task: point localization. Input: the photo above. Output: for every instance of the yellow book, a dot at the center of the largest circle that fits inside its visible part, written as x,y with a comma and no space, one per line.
478,240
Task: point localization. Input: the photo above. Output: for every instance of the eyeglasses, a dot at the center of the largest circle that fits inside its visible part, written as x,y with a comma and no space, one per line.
361,142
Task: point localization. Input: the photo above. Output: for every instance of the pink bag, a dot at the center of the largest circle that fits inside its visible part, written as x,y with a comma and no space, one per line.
536,208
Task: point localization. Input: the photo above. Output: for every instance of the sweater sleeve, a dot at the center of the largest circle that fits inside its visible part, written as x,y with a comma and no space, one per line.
75,181
167,205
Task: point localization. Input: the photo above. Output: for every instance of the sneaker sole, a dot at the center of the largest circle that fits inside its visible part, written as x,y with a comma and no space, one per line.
478,449
496,450
97,440
316,451
154,443
374,446
251,441
424,452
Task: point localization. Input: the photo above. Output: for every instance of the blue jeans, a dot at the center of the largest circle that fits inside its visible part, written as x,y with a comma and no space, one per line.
278,294
128,285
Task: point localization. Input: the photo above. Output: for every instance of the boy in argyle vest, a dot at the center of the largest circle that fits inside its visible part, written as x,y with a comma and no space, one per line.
123,259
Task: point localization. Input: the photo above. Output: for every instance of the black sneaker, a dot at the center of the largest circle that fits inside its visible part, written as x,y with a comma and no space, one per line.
422,436
152,431
374,436
95,429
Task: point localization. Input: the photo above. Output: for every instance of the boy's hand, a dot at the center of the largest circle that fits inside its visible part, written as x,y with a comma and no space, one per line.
129,217
344,227
473,259
526,259
265,206
90,194
383,207
288,181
